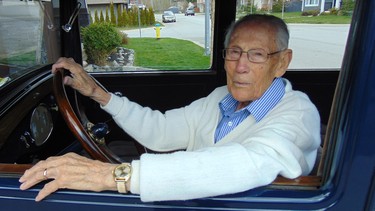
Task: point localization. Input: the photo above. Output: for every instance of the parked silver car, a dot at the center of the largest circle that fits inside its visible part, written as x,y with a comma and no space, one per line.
190,11
168,16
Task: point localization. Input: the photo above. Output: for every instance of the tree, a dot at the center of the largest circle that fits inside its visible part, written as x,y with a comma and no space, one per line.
125,17
106,15
112,11
119,17
151,17
96,17
101,17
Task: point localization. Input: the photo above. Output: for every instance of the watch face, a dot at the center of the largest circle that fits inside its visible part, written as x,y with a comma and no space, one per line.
122,171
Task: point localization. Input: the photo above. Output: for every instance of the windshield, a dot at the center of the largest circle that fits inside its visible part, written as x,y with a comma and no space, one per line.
23,26
168,13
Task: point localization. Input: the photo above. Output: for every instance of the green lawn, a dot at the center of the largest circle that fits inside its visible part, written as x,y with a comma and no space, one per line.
21,59
296,17
168,54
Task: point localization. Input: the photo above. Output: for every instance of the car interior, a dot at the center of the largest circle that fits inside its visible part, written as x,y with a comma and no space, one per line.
41,117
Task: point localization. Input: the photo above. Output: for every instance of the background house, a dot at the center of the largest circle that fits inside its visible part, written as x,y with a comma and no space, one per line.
292,5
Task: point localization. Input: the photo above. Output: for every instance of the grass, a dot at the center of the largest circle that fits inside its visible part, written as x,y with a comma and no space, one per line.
168,54
22,59
296,17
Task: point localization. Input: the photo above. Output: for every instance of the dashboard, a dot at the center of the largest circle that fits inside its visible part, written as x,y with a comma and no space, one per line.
32,128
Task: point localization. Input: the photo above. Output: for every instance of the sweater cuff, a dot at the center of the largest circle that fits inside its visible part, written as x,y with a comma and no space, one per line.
134,182
114,105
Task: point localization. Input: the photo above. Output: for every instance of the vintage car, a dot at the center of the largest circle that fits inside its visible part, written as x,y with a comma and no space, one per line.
40,117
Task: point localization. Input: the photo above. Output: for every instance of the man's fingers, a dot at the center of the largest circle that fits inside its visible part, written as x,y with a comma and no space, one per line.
47,190
68,171
66,63
68,81
36,175
59,64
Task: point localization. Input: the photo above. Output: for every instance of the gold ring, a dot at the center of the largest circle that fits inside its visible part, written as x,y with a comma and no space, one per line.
45,173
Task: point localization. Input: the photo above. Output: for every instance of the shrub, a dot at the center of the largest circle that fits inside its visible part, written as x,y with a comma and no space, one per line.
344,13
99,40
124,38
277,6
348,5
333,11
248,8
310,13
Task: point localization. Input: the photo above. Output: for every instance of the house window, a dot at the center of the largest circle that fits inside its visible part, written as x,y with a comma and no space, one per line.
311,2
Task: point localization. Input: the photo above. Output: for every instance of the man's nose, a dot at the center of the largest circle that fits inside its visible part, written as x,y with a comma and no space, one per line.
243,64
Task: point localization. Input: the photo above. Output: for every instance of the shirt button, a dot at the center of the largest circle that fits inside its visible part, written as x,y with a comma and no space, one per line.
230,124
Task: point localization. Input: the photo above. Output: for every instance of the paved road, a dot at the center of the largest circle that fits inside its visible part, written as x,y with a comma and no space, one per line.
314,45
317,45
185,27
19,25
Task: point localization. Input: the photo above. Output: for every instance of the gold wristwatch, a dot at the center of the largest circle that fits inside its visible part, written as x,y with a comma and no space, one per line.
122,174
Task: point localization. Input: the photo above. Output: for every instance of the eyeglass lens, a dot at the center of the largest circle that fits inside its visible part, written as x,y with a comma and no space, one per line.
254,55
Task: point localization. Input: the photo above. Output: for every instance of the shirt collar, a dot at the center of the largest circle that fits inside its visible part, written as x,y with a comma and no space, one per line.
260,107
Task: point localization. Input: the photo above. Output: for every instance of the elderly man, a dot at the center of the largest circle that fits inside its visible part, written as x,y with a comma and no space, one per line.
239,137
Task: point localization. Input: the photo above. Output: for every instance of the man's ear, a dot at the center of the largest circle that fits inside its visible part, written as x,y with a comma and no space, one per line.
285,59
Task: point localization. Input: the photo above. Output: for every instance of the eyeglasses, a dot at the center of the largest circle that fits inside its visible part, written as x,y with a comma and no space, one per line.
254,55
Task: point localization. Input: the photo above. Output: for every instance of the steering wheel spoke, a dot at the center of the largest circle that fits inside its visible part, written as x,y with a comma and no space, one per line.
96,148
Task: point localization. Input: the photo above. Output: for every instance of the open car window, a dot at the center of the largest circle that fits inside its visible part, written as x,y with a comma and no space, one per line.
317,36
172,40
152,37
24,28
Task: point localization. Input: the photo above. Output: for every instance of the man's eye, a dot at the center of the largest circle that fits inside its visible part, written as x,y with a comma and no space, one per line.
257,53
235,52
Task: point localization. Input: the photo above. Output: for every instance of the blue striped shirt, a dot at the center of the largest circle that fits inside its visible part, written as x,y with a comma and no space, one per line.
258,108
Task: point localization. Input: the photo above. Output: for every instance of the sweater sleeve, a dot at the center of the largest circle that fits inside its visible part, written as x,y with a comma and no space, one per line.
150,127
211,171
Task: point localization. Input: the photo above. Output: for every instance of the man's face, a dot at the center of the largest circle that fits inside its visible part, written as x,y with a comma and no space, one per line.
247,81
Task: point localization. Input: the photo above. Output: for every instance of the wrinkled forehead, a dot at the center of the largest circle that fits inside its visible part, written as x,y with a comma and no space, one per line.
257,33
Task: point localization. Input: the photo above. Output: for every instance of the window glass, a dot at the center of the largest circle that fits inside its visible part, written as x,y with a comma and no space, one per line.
311,2
317,35
24,25
154,35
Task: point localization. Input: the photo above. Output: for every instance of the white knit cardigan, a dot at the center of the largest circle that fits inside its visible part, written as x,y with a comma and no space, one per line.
283,143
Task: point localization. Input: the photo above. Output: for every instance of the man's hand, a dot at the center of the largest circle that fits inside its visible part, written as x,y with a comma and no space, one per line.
81,81
69,171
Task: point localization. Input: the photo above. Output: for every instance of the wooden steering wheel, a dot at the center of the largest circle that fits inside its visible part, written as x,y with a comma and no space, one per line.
96,148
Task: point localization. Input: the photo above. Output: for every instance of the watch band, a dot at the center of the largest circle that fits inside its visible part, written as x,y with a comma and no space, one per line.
121,186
